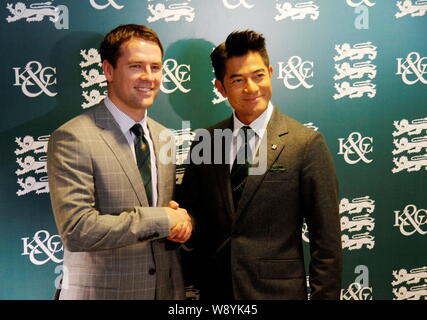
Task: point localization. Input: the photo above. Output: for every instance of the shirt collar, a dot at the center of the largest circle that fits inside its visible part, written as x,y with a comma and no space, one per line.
259,125
123,120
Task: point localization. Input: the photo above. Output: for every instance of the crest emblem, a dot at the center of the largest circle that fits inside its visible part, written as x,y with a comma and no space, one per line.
358,241
356,52
417,9
93,77
357,223
410,145
357,205
28,143
357,70
410,285
415,163
298,12
31,184
174,12
36,12
32,164
355,90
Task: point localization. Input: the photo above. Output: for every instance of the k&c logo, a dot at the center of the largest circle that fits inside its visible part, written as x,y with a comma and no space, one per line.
35,79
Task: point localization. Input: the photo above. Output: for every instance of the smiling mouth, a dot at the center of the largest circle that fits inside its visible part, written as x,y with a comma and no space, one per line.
253,99
144,89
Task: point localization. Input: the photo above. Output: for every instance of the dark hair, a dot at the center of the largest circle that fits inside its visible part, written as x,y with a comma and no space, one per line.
109,48
237,44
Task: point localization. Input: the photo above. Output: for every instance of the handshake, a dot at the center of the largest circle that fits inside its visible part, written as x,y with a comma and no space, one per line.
180,222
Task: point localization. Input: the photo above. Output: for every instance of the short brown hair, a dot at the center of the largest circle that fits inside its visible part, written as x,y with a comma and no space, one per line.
110,46
238,44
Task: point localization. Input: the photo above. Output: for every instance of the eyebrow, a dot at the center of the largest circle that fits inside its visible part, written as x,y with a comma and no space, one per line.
236,75
140,61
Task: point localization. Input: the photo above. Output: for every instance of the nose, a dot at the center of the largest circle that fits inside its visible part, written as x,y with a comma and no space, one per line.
146,73
250,86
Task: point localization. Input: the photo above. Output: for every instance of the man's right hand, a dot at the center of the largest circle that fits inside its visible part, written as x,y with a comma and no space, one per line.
180,221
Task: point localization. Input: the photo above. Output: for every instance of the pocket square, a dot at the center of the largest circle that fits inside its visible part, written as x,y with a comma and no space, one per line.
277,168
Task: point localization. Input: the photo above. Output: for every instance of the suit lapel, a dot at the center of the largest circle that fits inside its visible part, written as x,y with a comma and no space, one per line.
114,138
164,178
274,144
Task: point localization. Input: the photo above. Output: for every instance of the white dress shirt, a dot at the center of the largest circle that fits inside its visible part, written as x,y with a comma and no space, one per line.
259,126
125,123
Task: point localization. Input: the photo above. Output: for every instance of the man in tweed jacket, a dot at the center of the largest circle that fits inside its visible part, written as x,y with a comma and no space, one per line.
115,244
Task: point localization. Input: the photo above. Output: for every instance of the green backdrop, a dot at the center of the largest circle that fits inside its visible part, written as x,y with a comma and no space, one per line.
356,70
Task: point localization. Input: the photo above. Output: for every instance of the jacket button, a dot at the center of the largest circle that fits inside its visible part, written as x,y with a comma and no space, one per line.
151,271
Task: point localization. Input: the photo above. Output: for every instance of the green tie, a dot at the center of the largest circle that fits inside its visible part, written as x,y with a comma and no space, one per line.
241,165
143,160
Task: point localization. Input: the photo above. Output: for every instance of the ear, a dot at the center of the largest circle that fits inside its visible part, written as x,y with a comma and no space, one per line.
270,71
108,70
220,87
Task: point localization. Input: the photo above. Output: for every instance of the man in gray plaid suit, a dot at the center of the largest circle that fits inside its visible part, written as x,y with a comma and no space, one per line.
116,222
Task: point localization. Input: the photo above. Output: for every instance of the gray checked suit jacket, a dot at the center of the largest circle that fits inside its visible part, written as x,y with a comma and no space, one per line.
114,243
258,247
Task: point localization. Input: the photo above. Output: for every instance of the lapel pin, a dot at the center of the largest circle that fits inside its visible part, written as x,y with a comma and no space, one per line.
273,147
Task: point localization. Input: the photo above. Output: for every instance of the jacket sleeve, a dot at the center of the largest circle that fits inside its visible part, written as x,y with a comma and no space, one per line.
320,201
73,196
